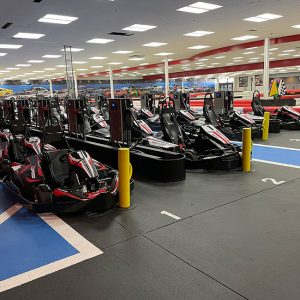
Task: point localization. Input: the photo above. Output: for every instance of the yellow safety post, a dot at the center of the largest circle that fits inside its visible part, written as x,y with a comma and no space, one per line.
265,135
125,173
246,151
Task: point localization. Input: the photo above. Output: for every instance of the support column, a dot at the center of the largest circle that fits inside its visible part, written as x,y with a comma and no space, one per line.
167,83
266,67
217,82
75,86
50,87
182,85
112,93
69,72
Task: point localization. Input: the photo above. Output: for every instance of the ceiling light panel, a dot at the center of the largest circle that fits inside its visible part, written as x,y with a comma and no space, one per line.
198,33
263,18
51,56
34,61
163,53
96,66
115,63
10,46
23,65
199,7
57,19
139,27
24,35
3,54
98,57
154,44
122,52
245,37
198,47
74,49
99,41
12,68
137,58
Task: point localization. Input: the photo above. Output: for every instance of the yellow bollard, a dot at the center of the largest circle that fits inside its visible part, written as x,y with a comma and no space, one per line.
246,151
265,135
125,172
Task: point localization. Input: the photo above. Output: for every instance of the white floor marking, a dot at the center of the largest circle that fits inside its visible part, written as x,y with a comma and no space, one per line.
170,215
86,250
276,163
274,181
9,213
278,147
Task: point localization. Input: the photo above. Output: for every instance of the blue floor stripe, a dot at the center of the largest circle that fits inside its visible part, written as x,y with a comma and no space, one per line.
278,155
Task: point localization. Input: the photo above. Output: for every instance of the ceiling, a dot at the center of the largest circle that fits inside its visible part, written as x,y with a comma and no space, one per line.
97,18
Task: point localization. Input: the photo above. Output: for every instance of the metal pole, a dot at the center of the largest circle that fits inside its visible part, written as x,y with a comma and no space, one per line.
50,87
112,94
167,83
182,84
75,86
266,67
246,150
217,82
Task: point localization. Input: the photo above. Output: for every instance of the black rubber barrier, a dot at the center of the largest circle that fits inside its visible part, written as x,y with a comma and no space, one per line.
149,163
278,102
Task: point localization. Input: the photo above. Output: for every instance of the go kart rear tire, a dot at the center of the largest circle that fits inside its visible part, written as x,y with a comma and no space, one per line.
43,194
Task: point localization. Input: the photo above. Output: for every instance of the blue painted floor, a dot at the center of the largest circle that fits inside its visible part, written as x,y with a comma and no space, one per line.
27,242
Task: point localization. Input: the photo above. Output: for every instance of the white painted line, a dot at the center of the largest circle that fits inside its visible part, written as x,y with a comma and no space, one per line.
9,213
170,215
274,181
86,250
276,163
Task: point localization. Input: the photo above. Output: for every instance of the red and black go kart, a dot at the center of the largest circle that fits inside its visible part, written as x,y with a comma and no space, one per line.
64,180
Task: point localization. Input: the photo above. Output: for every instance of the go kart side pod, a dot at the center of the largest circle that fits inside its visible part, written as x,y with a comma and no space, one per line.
290,118
215,152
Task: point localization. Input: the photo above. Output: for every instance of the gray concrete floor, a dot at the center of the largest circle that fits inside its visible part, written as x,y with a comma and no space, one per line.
238,238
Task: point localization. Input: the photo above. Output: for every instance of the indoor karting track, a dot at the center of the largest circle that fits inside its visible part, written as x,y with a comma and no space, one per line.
237,238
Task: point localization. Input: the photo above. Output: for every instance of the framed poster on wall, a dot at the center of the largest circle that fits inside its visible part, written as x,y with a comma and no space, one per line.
259,80
243,81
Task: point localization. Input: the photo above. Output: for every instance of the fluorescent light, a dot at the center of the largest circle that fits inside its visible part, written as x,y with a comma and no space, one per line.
139,27
4,71
12,68
199,7
163,53
98,57
144,64
283,54
10,46
296,55
51,56
198,33
57,19
38,71
23,65
238,60
124,67
79,62
215,63
251,48
197,47
35,61
263,18
229,64
24,35
49,69
96,66
74,49
3,54
254,58
122,52
238,57
137,58
203,59
81,69
245,37
273,49
29,73
154,44
249,52
296,26
99,41
115,63
60,66
193,10
220,57
291,50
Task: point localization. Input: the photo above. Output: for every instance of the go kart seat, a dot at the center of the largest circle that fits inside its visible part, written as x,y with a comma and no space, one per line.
211,116
59,167
170,127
